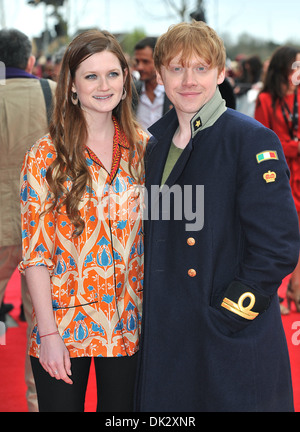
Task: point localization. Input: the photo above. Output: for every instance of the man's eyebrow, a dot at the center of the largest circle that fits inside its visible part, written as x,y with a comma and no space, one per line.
184,63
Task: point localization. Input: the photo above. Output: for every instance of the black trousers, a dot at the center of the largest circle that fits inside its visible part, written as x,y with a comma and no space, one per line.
115,377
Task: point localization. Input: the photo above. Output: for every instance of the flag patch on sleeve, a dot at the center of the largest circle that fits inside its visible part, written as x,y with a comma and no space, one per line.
266,155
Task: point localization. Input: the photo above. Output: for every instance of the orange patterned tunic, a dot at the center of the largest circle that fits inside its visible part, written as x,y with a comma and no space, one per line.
96,278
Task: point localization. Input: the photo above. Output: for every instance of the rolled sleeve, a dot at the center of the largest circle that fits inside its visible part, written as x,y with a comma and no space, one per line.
38,228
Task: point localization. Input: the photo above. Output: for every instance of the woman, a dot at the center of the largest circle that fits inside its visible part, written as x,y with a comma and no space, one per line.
278,109
248,85
82,232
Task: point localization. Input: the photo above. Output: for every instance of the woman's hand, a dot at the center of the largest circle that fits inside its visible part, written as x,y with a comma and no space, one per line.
54,355
55,358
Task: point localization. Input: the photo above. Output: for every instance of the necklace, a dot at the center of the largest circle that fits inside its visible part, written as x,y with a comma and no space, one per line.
291,119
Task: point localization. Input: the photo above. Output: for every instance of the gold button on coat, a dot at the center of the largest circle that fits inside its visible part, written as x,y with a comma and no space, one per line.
192,273
191,241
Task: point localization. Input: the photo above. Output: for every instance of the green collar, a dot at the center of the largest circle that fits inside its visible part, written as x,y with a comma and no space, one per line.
208,114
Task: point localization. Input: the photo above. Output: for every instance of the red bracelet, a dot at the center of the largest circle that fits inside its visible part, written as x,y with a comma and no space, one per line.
50,334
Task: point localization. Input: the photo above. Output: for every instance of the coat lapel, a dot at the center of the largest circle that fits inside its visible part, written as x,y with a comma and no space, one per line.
179,166
159,146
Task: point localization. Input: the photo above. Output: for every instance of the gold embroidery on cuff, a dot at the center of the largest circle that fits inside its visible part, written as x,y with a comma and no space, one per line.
239,309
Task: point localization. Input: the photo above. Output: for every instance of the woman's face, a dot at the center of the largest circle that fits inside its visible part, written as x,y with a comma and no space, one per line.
99,83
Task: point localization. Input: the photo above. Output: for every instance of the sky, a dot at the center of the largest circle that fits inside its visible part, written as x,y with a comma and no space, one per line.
274,20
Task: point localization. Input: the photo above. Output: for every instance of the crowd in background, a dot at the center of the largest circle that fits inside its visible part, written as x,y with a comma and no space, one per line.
245,73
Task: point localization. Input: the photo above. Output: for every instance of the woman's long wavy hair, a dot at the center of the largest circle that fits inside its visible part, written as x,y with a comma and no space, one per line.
68,128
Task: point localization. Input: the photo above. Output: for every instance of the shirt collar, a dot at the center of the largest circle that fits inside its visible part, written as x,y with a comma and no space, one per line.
120,136
119,140
159,89
204,118
209,113
12,72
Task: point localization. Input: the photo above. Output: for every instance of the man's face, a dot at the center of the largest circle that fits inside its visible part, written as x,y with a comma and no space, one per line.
191,86
144,64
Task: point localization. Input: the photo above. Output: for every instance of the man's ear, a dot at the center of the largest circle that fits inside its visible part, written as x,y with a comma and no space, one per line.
221,77
159,78
30,64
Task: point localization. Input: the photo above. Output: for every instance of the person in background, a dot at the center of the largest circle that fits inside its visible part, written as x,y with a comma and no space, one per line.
221,232
23,119
152,101
82,233
248,85
278,109
57,59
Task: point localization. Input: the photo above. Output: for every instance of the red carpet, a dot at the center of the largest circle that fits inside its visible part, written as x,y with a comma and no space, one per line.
291,324
12,358
12,355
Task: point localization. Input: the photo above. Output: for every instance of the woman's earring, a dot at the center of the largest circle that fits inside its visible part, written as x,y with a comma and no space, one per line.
124,94
74,98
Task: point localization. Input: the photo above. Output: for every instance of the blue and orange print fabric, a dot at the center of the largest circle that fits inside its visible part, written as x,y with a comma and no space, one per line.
96,278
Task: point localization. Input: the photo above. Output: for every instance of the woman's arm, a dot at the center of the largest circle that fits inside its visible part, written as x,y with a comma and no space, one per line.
54,355
37,263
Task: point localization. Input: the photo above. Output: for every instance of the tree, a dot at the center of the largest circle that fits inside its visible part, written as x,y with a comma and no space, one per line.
180,9
183,9
55,3
199,13
249,45
61,27
131,39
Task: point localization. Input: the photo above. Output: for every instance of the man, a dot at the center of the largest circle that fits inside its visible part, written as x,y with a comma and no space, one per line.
23,120
221,232
153,102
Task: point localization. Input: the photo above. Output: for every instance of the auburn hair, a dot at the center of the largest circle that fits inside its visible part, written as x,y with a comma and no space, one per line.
68,128
188,39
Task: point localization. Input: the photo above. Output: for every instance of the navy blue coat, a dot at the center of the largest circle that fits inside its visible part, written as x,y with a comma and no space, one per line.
200,350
